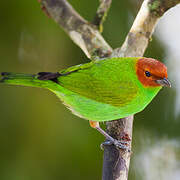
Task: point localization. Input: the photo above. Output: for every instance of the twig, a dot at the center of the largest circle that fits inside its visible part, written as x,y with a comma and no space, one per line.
84,34
101,13
88,38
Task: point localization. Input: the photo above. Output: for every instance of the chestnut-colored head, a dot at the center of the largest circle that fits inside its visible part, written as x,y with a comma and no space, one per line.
152,73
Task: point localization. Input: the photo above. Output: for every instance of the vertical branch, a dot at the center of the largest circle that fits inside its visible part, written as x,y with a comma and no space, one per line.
116,162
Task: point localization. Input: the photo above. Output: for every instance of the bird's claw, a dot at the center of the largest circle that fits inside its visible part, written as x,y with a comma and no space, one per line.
122,145
106,143
119,144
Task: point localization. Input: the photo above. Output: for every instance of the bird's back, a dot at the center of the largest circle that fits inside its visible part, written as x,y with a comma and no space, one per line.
110,81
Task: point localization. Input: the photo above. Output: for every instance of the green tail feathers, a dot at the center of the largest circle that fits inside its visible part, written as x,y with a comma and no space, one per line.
26,80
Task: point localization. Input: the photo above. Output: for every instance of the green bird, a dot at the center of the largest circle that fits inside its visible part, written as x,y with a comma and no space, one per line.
101,90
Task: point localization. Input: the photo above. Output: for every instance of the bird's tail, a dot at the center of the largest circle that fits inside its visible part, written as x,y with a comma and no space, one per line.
26,80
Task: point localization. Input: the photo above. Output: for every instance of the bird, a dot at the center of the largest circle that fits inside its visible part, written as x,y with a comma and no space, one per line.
101,90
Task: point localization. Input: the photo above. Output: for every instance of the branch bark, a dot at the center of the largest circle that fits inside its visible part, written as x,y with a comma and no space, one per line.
143,27
88,38
83,33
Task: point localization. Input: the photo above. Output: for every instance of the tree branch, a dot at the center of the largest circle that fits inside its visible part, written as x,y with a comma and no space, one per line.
116,162
84,34
143,27
101,13
88,38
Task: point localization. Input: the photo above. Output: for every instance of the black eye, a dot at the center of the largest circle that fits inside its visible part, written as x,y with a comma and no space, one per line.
147,73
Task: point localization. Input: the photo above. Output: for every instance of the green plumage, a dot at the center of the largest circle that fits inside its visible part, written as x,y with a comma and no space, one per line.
101,90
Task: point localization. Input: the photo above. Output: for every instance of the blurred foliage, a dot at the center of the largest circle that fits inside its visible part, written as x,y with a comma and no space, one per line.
40,139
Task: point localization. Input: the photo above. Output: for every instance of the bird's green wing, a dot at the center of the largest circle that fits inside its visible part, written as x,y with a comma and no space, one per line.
101,81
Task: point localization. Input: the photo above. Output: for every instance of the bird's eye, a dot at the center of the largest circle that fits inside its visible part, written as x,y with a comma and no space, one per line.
147,73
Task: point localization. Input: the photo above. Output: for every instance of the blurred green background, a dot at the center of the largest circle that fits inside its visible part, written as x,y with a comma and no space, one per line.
39,138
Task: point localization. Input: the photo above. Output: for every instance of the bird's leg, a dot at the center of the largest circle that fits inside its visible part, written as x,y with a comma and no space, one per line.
119,144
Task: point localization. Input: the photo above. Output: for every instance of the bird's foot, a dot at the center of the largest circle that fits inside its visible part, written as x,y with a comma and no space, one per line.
124,145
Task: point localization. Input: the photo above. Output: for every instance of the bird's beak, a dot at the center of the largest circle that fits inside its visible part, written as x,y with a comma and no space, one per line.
164,82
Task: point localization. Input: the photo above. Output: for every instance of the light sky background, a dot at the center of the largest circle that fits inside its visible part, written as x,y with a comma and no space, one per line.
168,31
